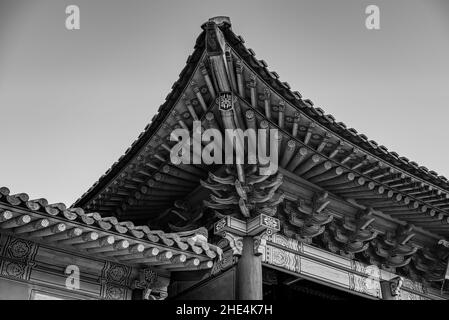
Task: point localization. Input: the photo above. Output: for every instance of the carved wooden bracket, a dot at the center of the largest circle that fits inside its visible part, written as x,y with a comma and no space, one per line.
245,193
309,217
228,260
395,285
251,227
351,235
233,230
391,289
431,263
153,285
260,243
235,242
393,250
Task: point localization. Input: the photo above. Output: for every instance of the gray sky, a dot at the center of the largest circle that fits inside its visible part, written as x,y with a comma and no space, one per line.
71,102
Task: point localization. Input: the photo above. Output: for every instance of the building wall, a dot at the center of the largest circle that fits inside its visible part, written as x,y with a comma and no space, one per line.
13,290
32,271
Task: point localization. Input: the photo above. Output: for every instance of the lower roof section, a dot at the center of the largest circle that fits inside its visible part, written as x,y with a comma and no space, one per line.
105,237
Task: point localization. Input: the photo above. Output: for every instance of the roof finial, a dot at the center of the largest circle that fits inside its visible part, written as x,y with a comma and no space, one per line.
221,20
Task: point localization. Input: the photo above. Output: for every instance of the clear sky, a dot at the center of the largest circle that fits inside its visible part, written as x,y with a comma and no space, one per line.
71,102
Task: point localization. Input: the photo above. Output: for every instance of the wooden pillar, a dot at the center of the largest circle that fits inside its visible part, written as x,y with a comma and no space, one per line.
246,238
249,272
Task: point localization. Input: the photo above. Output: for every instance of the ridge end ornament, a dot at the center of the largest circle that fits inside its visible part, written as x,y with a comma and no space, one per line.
215,43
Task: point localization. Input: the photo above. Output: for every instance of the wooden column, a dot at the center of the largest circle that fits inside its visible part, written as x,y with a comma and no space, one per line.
246,239
249,272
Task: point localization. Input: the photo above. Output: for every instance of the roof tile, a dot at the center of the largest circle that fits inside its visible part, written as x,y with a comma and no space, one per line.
108,224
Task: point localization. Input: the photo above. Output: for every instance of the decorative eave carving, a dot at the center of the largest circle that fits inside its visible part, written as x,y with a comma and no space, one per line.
232,230
395,285
260,242
229,259
431,263
250,195
309,218
391,289
235,242
351,235
393,250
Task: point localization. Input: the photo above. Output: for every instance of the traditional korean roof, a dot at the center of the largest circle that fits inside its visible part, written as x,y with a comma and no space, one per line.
143,184
103,237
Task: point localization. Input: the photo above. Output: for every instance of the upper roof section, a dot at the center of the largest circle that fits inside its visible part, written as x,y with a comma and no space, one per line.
143,182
